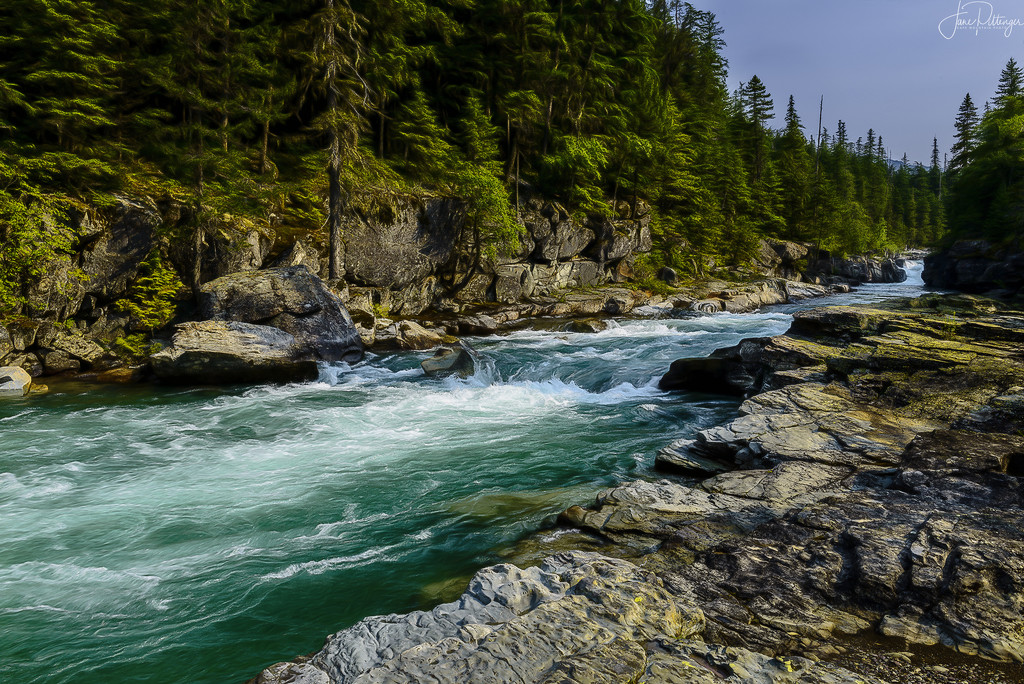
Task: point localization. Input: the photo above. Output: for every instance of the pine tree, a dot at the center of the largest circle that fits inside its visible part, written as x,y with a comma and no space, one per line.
1011,81
966,134
795,175
935,169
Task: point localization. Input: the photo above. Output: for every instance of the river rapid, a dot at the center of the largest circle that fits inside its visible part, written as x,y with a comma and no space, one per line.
154,534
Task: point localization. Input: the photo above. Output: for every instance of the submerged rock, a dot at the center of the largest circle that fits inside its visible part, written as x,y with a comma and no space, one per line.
220,352
587,325
457,359
14,382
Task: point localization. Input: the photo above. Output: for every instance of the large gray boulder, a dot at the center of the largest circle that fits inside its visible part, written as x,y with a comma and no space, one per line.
291,299
14,382
405,246
230,352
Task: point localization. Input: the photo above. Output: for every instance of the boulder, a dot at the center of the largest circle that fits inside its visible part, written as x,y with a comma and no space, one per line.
411,335
790,252
14,382
403,244
586,273
60,362
554,277
735,371
231,352
457,359
291,299
566,239
766,259
513,283
77,347
112,256
29,362
476,289
587,325
23,333
478,325
892,272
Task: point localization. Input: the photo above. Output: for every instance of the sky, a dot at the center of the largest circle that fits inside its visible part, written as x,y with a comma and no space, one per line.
901,67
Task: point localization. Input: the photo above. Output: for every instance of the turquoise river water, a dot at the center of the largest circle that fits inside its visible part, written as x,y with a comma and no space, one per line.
152,534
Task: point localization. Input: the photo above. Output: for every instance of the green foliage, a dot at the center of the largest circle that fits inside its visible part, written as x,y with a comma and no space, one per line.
266,109
152,296
573,171
33,234
986,195
136,347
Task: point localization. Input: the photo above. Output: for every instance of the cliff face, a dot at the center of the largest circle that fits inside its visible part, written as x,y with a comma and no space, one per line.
416,255
977,266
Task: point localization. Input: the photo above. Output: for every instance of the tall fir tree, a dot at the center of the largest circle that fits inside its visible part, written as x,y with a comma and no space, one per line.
966,125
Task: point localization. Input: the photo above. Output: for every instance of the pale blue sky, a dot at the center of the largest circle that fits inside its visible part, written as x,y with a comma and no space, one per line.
881,64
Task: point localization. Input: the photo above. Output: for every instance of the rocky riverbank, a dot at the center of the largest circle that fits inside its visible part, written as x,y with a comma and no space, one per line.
871,485
412,280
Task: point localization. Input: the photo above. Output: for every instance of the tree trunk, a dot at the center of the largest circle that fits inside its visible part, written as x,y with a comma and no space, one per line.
334,201
266,132
335,268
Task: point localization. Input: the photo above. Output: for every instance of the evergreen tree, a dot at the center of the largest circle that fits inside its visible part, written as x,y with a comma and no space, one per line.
935,169
966,134
1011,81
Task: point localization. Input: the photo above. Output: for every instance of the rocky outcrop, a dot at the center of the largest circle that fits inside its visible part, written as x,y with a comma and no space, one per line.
403,245
874,481
112,255
415,256
753,296
976,266
230,352
852,270
291,299
579,617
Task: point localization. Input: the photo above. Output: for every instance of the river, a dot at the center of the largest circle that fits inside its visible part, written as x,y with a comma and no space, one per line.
154,534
